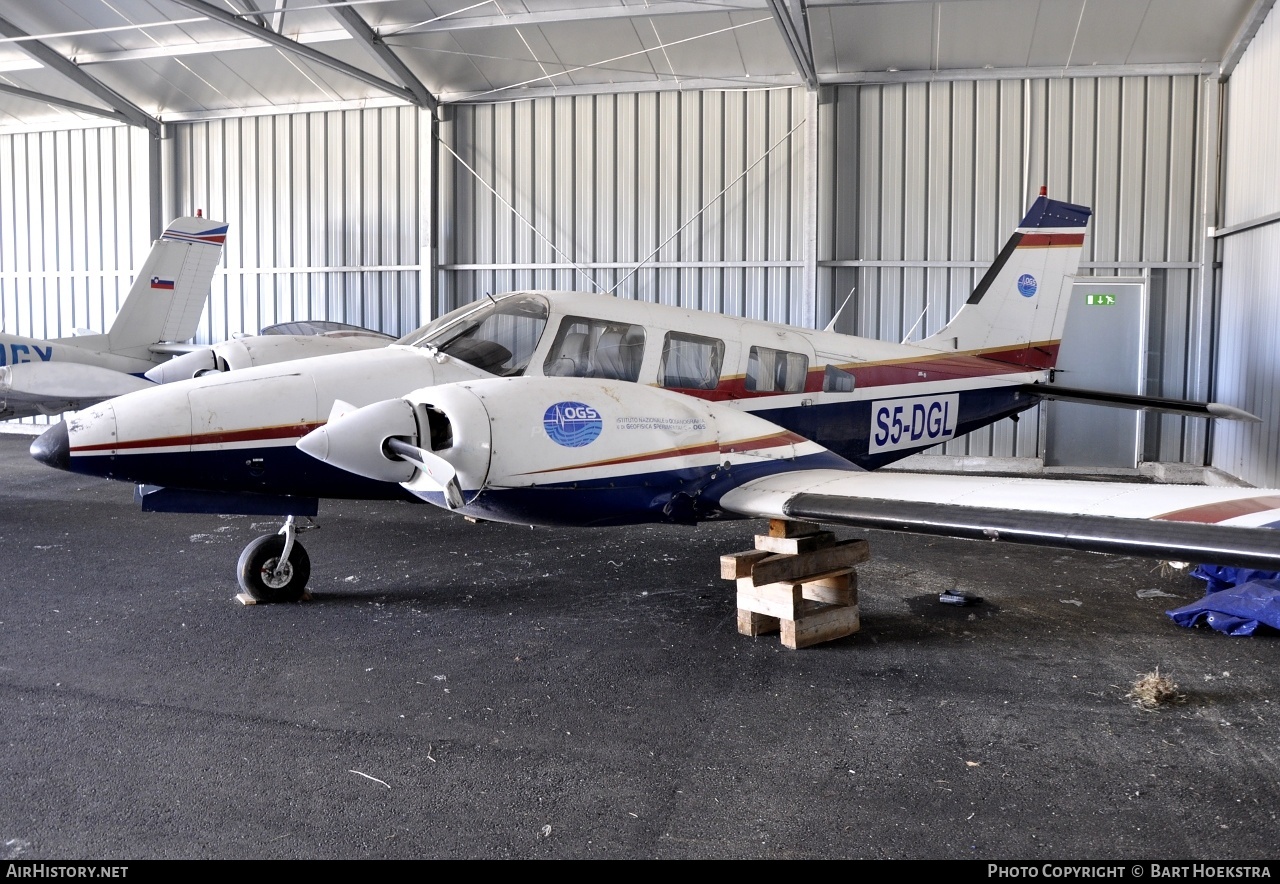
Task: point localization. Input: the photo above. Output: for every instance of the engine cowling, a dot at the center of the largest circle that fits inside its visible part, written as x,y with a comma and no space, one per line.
253,350
572,451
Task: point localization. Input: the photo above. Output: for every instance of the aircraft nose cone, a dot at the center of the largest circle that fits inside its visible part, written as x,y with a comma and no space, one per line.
53,447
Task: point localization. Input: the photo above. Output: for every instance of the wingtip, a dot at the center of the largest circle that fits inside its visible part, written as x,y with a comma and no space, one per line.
1230,412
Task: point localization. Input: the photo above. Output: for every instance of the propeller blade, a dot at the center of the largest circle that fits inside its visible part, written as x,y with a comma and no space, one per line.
434,468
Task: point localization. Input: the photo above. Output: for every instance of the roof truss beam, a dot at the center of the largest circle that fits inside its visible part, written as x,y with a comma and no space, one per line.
282,42
121,106
1244,36
42,98
796,36
571,14
359,29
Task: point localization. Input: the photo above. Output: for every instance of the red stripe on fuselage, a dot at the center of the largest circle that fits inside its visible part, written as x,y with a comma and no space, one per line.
257,434
771,441
916,370
1212,513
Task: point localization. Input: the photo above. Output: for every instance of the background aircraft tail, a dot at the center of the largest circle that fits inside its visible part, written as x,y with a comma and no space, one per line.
1018,310
170,289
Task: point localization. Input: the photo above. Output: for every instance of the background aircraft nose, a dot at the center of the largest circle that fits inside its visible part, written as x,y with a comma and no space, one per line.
52,447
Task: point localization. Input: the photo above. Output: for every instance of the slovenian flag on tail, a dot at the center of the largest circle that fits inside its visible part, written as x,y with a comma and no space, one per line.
158,283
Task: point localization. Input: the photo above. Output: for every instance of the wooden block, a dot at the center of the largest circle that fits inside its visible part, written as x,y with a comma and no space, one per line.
794,545
751,623
781,600
824,625
735,565
836,588
781,568
788,528
245,599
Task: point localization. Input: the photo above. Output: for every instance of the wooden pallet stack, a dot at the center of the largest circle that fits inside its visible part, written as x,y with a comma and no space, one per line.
798,581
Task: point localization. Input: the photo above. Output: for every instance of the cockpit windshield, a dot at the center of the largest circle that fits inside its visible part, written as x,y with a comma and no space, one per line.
497,336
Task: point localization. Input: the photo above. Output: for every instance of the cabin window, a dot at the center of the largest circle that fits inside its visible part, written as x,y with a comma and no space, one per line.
690,362
497,336
776,371
837,380
593,348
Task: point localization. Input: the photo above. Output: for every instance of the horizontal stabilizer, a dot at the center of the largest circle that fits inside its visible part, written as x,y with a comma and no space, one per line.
1139,402
65,382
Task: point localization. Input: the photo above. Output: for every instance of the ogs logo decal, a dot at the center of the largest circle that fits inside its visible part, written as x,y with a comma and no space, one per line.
1027,285
572,424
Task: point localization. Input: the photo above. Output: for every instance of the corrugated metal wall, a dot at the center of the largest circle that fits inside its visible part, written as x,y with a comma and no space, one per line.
925,181
74,223
1247,370
328,215
608,181
917,187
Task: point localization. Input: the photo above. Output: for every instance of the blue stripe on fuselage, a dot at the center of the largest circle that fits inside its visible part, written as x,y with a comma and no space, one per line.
682,496
845,427
842,427
273,469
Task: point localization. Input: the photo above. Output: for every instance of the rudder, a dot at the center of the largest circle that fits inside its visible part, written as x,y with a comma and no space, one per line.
1018,309
169,292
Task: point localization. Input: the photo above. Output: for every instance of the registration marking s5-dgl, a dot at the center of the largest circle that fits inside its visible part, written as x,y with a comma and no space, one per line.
912,423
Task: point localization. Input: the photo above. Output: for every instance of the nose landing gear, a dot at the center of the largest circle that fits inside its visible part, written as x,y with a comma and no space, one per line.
275,567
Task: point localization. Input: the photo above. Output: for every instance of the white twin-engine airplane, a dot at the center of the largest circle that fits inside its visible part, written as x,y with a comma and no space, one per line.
163,305
562,408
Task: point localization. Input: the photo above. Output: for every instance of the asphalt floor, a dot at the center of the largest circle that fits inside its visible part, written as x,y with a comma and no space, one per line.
480,691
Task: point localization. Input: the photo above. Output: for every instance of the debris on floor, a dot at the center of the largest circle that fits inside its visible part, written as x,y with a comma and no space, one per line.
1154,690
952,597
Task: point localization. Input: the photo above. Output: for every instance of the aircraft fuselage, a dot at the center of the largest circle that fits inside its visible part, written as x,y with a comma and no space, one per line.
868,402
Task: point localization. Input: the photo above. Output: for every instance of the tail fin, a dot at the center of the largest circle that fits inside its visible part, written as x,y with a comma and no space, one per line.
170,289
1017,312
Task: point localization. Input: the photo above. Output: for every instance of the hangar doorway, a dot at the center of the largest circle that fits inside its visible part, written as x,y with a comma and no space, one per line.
1102,349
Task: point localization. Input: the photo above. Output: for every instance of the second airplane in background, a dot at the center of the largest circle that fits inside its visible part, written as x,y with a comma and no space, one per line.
163,306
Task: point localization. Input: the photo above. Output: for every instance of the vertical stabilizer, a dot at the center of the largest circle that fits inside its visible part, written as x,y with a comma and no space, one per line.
170,289
1018,310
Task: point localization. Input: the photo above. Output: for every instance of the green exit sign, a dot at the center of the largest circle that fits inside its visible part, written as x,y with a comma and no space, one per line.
1100,300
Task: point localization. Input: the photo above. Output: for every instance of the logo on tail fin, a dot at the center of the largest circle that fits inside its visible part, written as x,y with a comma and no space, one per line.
1027,285
158,283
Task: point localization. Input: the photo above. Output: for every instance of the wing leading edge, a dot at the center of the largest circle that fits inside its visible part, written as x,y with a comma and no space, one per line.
1224,526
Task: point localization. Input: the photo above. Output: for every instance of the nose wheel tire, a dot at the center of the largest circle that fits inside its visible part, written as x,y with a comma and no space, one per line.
265,578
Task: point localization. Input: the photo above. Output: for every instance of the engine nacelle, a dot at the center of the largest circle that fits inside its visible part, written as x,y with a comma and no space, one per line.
563,451
254,350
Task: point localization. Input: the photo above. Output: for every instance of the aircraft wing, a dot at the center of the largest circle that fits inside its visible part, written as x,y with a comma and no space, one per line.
53,387
1187,523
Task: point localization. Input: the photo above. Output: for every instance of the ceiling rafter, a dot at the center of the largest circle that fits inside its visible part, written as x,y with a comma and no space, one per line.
1244,36
574,14
359,29
796,36
44,98
282,42
118,105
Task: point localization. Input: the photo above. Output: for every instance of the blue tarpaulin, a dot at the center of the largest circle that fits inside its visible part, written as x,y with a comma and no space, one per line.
1237,600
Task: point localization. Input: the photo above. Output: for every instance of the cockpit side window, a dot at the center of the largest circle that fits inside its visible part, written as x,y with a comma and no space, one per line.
776,371
691,362
498,338
592,348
